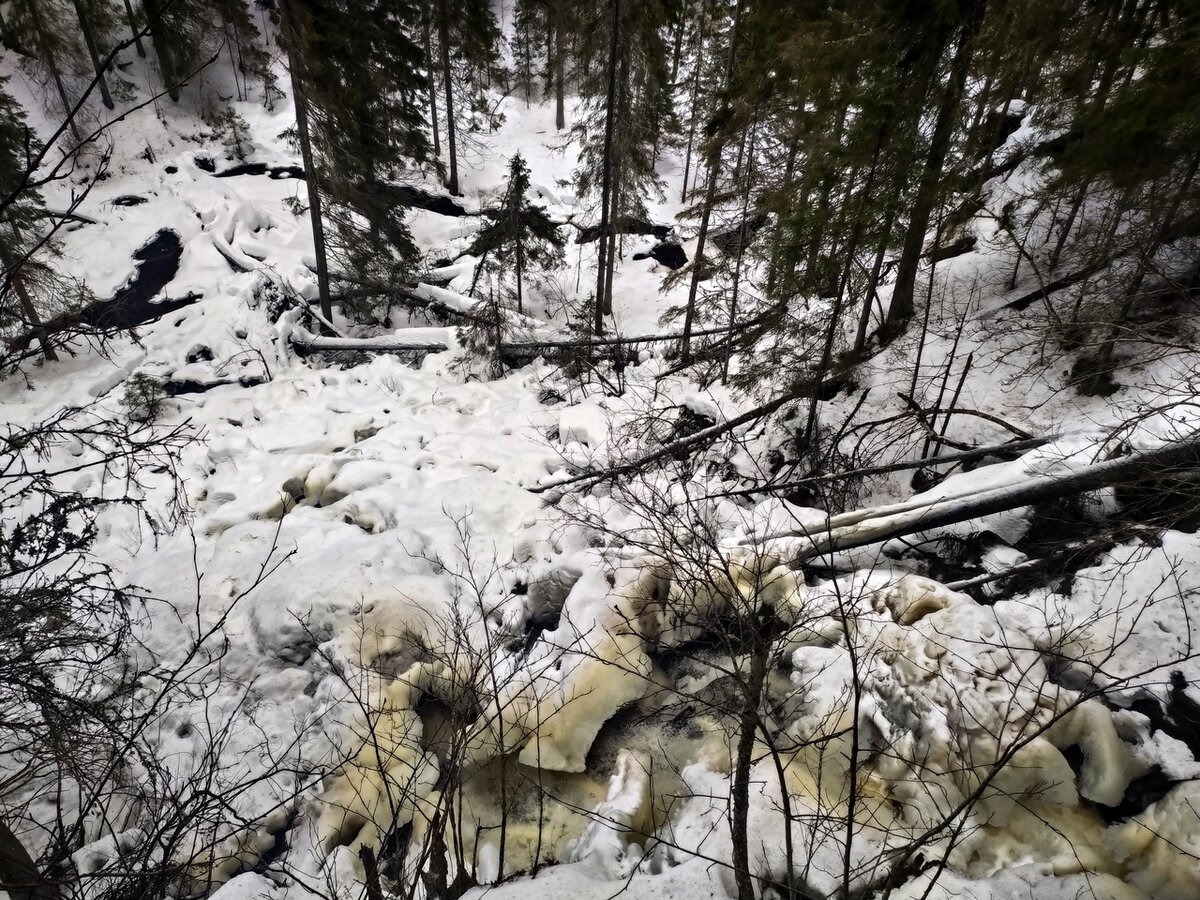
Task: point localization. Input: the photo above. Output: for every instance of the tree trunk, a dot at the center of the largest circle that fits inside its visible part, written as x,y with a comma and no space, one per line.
447,77
710,195
843,284
433,123
985,97
865,527
231,43
677,50
13,273
701,30
610,259
826,178
689,314
1104,355
740,799
133,27
786,189
292,40
520,261
929,187
606,166
560,116
743,239
158,37
1107,67
89,38
19,875
43,40
864,319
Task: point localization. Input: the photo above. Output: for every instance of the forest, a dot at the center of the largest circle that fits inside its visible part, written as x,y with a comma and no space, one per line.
596,448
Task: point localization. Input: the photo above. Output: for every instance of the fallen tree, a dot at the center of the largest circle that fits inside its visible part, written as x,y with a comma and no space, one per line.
419,342
421,297
704,435
411,340
864,527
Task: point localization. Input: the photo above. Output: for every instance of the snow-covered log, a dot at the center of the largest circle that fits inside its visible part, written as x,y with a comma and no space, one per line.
425,297
409,340
860,528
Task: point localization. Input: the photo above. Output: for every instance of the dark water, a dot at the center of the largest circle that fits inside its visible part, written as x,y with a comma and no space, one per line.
157,264
276,172
625,225
401,194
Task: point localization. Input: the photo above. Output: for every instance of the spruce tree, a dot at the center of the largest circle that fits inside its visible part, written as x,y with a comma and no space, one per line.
46,27
559,16
528,32
957,31
22,208
358,74
184,33
468,47
296,25
250,61
522,235
623,85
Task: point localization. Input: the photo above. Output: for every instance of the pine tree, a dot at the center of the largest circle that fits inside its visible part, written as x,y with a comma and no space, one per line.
358,75
623,86
521,234
468,39
46,26
21,209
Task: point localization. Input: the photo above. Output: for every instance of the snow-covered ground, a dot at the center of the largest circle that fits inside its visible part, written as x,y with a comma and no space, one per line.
364,537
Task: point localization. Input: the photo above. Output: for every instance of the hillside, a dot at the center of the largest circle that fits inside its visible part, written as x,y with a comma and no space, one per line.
434,596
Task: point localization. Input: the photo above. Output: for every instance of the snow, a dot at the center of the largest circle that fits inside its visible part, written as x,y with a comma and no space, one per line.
385,506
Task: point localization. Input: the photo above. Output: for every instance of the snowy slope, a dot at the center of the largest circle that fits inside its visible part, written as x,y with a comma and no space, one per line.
386,506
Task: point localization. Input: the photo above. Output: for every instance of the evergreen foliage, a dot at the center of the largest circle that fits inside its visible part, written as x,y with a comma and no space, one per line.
363,76
522,237
623,77
21,210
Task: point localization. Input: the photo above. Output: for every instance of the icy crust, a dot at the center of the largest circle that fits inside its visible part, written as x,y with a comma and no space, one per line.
957,746
399,494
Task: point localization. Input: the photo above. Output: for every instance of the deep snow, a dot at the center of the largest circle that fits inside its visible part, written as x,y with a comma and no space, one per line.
410,554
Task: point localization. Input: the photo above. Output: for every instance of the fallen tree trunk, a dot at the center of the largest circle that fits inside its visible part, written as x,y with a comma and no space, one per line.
305,341
1058,284
861,528
583,343
703,435
975,453
551,349
423,297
